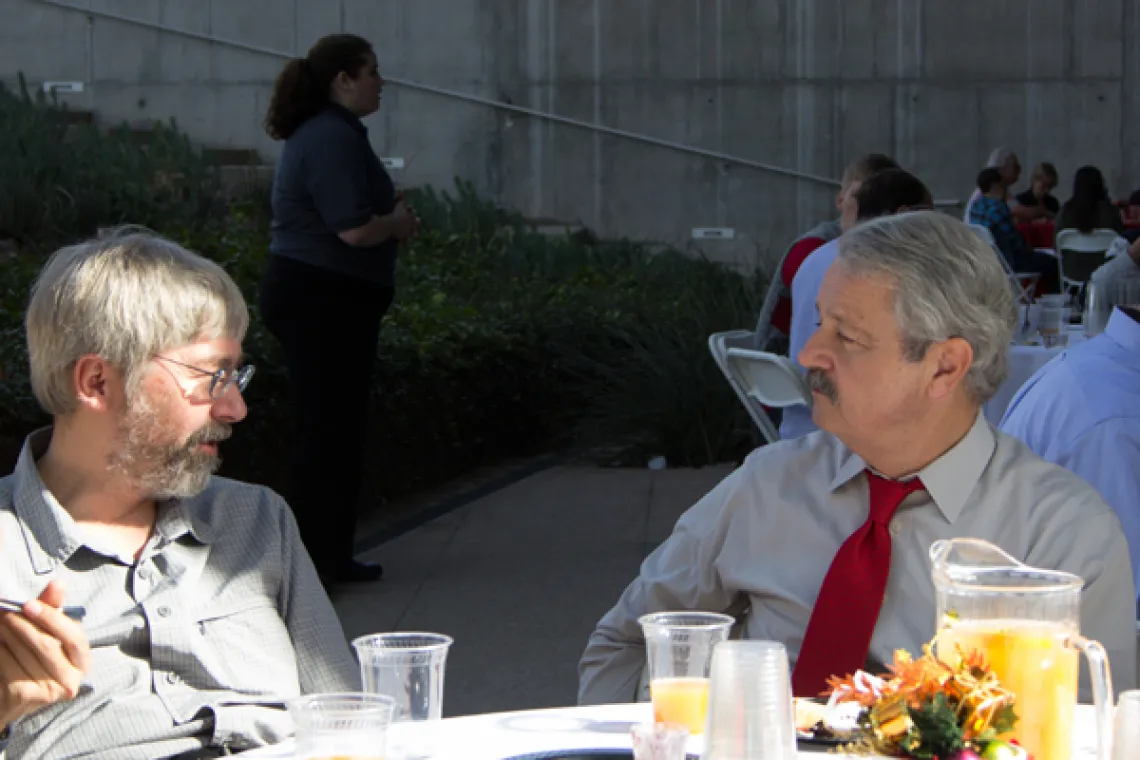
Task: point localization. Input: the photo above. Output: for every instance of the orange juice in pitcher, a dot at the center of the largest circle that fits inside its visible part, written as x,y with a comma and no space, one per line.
1033,661
1025,622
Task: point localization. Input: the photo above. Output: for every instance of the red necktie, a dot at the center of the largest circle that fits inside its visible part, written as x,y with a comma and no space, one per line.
838,635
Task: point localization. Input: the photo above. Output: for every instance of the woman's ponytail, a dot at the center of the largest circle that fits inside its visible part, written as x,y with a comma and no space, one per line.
302,87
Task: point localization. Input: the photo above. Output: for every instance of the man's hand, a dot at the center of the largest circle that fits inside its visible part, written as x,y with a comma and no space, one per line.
43,656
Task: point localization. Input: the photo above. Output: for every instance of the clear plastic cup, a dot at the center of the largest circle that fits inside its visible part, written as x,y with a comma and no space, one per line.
409,668
679,647
751,713
659,741
1053,325
345,725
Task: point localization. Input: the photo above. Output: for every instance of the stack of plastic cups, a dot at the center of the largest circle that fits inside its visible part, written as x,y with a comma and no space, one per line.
751,714
1126,739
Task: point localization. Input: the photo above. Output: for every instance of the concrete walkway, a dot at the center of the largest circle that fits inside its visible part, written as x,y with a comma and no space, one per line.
520,577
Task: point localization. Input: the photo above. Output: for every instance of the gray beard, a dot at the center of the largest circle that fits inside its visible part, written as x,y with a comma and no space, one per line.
161,469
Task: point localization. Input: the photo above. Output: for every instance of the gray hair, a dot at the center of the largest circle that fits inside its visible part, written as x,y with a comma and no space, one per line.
126,297
998,157
948,284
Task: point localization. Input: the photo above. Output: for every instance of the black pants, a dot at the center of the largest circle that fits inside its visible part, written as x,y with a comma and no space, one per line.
328,325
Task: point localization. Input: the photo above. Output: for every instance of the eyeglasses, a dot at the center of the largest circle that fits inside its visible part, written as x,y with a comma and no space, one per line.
220,380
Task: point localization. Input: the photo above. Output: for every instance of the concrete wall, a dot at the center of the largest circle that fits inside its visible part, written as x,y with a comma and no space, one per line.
805,84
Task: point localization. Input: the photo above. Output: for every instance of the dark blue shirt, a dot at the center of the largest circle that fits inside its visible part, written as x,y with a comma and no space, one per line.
995,214
328,181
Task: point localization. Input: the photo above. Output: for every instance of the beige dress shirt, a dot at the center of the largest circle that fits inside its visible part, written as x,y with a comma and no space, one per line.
197,644
763,539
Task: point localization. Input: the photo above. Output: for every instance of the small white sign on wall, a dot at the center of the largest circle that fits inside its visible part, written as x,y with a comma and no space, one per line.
392,163
58,87
714,233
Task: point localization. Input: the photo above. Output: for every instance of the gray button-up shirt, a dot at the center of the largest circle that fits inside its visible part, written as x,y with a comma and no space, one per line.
763,540
198,643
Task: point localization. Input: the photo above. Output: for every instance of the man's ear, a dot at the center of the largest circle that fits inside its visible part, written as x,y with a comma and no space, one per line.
98,385
949,361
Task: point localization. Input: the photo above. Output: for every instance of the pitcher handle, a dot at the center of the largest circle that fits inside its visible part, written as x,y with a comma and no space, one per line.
1102,692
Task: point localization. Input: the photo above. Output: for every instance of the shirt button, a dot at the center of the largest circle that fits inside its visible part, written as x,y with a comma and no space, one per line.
896,527
172,678
163,611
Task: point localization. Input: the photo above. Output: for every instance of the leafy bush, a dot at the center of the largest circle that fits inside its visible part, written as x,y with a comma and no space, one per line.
60,179
501,342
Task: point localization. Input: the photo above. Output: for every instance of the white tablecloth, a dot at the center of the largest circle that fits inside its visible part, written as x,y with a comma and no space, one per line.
1024,361
502,735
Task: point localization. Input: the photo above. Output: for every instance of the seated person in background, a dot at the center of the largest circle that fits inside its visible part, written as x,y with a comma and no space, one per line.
1131,216
781,309
891,191
992,212
1082,411
917,317
1090,208
1132,210
204,612
1124,266
1038,201
1009,172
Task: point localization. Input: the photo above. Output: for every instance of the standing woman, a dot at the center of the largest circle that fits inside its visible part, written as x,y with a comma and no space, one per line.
337,223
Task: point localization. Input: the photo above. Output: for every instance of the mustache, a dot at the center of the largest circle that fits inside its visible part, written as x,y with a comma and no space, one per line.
821,383
214,432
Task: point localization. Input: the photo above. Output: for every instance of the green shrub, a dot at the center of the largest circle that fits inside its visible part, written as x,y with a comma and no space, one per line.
501,341
60,179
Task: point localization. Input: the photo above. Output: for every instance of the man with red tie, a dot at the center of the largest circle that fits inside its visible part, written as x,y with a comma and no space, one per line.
822,542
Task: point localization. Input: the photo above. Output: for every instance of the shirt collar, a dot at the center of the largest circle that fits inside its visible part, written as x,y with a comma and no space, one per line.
949,479
350,118
1124,330
50,533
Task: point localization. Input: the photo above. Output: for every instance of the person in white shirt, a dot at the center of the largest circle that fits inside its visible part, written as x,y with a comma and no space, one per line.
917,316
1123,266
1009,166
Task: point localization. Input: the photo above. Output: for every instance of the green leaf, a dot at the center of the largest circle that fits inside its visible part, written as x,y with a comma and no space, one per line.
936,732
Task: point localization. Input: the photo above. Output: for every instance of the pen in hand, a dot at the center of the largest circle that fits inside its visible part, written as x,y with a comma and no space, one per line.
73,612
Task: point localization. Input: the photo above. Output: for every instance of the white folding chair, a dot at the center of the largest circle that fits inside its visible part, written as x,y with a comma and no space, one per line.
1024,284
758,378
984,233
1079,255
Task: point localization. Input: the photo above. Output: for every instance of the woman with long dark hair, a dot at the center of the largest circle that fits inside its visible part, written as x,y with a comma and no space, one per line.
337,224
1090,208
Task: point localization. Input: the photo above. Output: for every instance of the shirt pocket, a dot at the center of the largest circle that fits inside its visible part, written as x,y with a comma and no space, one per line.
252,651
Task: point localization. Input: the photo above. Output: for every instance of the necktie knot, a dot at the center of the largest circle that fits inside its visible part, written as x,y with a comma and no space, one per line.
886,495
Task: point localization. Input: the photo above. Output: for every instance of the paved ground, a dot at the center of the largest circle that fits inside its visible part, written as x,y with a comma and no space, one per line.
520,577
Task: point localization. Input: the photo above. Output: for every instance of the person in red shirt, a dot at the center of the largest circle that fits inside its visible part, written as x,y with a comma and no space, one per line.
775,321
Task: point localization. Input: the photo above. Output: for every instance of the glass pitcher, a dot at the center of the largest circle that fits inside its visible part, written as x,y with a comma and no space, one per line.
1027,623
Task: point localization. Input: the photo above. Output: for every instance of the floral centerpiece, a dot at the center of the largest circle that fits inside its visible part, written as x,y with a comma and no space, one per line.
929,710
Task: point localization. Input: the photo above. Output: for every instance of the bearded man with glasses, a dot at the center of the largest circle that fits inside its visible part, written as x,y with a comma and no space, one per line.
203,610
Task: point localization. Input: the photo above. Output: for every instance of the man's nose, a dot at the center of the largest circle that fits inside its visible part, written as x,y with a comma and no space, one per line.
814,354
230,408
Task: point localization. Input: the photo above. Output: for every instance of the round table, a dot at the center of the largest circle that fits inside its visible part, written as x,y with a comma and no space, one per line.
496,736
1024,361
